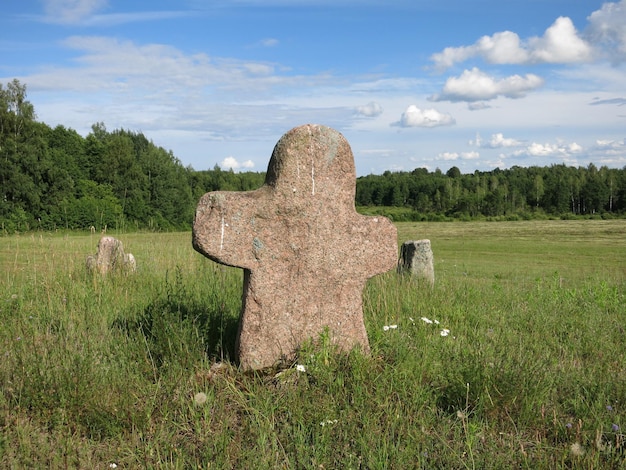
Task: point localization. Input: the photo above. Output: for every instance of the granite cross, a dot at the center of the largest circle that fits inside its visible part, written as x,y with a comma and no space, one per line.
305,251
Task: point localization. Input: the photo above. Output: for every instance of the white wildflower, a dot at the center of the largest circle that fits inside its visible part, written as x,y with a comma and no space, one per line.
426,320
112,465
389,327
200,398
300,368
445,332
576,449
328,422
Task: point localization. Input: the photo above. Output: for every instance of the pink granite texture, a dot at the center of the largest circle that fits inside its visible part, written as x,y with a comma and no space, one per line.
305,251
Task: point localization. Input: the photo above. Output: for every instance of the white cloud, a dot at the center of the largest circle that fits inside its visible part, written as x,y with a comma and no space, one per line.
475,85
85,13
559,44
231,163
478,142
574,148
448,156
470,155
542,150
477,105
269,42
498,141
114,65
416,117
501,48
154,86
607,30
206,107
451,156
610,144
71,11
549,150
371,109
106,63
451,56
133,17
609,152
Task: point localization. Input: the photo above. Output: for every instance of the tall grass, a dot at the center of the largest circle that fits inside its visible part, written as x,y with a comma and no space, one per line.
135,371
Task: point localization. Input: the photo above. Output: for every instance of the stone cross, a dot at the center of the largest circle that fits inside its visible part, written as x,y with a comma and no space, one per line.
305,251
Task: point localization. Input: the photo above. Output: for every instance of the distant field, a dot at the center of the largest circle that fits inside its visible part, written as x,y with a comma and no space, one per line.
516,250
522,251
515,359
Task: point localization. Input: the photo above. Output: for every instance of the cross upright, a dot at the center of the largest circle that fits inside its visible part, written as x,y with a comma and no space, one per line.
305,251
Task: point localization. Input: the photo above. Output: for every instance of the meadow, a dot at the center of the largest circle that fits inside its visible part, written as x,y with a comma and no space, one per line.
515,359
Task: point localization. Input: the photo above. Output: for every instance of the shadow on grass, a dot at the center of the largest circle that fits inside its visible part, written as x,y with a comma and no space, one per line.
178,326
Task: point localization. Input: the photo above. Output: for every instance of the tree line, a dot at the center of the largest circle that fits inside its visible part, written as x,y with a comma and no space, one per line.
54,178
519,192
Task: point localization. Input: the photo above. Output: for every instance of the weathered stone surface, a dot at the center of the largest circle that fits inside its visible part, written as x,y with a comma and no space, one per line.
416,258
305,251
111,257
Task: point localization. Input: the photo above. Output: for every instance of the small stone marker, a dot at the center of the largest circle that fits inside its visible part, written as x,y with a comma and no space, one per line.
111,257
305,251
416,258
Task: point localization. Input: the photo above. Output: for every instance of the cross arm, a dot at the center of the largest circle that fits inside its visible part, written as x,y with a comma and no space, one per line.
225,224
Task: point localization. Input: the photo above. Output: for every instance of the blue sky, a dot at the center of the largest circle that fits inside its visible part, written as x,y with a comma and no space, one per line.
410,83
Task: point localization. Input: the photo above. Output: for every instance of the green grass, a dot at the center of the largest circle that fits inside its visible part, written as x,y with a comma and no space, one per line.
99,371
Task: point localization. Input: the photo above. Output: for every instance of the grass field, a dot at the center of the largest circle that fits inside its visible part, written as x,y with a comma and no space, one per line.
134,371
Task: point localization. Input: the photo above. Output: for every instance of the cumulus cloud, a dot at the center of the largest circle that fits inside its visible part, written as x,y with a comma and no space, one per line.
574,148
416,117
611,147
475,85
371,109
231,163
498,141
560,43
501,48
478,142
607,30
549,150
451,156
608,152
470,155
542,150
